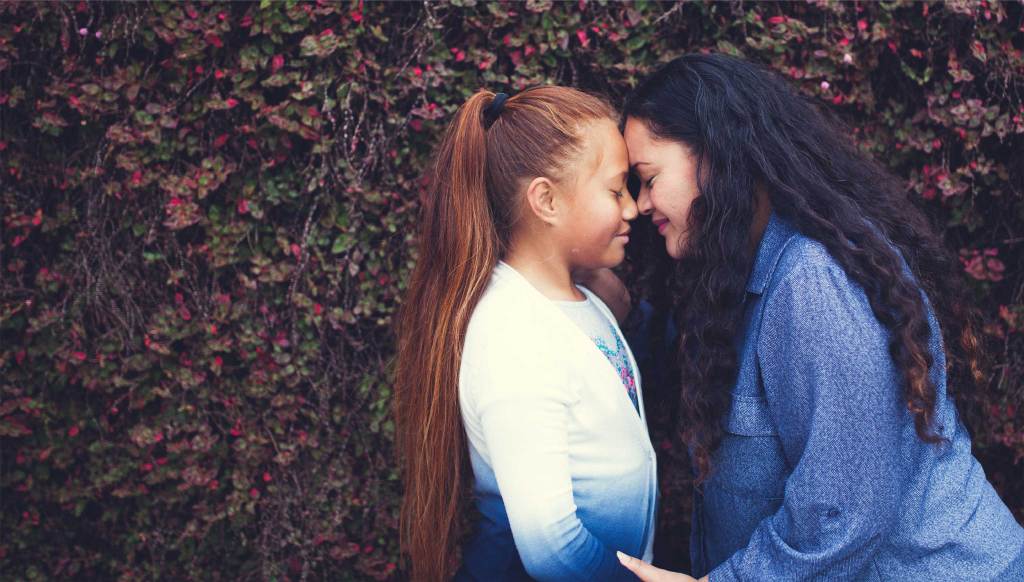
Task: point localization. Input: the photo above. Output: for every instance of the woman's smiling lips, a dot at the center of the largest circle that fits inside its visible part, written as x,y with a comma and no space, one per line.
662,224
624,234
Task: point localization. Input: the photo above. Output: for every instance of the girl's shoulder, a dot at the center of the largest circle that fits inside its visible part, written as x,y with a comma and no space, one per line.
511,312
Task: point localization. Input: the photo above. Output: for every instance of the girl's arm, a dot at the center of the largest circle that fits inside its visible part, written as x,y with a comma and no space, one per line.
524,415
835,398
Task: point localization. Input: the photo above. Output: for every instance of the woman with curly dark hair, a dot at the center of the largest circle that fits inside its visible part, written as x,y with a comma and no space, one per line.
812,364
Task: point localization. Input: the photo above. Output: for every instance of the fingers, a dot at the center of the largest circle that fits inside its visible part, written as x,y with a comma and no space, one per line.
649,573
643,570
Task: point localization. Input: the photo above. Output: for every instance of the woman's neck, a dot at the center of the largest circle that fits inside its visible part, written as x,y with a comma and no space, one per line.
762,214
545,270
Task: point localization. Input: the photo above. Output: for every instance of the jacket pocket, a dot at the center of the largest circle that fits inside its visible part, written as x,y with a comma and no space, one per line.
750,461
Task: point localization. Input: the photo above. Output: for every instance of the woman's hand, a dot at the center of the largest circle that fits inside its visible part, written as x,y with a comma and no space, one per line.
649,573
607,285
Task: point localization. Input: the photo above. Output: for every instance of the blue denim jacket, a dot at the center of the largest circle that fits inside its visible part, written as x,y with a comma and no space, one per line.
820,473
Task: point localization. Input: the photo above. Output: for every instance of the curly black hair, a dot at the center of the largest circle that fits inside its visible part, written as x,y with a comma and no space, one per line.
750,130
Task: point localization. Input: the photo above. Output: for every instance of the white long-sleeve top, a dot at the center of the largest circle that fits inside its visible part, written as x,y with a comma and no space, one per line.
564,470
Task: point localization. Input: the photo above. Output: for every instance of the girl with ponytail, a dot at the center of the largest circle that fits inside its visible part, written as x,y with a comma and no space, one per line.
514,387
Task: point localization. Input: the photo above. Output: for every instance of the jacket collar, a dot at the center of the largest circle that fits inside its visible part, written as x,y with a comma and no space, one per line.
777,234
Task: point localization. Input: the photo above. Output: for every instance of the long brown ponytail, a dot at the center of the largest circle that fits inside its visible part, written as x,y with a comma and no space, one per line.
467,217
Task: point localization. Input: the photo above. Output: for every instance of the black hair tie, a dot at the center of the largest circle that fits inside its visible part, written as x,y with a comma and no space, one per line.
492,111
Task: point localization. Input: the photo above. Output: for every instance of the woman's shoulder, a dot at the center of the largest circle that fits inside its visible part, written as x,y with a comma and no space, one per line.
804,259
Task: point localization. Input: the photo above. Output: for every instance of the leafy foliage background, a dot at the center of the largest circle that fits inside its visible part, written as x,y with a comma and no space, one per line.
209,214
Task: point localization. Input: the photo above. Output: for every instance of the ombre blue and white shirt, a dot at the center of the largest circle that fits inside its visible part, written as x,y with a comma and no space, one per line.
564,470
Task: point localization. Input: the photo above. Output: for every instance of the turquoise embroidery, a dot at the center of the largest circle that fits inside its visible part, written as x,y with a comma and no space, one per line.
620,361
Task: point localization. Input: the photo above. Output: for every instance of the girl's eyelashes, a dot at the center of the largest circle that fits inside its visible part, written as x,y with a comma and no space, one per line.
650,182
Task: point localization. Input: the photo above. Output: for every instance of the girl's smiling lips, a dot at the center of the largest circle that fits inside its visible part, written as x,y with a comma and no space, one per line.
661,224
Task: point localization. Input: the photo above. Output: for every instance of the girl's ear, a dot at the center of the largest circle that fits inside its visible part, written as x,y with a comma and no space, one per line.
541,198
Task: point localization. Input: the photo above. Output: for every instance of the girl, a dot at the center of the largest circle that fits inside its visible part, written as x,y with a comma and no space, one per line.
503,362
813,366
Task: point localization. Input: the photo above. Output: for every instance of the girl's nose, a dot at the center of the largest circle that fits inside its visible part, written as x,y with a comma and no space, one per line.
629,210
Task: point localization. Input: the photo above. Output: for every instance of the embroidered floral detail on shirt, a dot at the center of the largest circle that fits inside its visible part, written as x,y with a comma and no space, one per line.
620,361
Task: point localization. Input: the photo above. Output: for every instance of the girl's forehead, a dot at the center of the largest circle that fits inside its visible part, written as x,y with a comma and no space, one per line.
604,150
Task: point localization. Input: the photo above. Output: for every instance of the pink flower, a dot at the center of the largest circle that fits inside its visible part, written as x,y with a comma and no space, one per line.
231,102
824,85
777,20
243,206
254,493
73,431
862,25
276,63
582,35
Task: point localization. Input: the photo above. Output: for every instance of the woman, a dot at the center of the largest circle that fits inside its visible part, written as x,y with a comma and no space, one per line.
813,366
506,366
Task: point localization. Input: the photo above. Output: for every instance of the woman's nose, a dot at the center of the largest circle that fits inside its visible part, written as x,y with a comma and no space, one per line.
643,202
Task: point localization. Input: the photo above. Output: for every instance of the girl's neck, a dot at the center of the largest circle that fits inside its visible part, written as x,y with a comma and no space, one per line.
545,270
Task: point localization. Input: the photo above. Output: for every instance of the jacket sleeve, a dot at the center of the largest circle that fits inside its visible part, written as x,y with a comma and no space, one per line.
522,399
835,397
